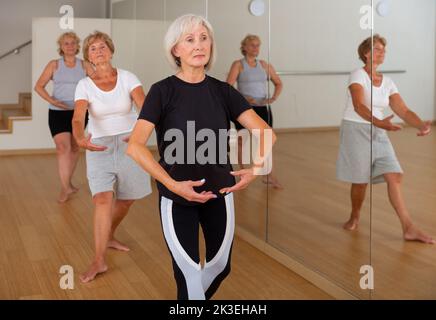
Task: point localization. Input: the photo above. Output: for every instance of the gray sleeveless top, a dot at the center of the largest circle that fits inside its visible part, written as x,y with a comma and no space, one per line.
252,81
65,80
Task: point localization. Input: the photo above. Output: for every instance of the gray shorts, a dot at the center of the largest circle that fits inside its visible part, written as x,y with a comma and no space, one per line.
113,170
354,165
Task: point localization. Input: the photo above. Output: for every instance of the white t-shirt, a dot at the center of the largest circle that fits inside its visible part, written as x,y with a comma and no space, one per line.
110,112
380,99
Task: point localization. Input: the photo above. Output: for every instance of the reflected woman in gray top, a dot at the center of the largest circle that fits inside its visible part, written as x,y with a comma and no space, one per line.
65,74
252,75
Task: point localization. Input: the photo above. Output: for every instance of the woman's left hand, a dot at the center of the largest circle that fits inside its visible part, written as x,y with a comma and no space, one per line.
126,139
269,101
246,177
425,129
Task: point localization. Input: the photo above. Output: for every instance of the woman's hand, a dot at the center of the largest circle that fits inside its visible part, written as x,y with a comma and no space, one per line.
250,100
387,124
86,143
60,104
246,177
185,189
268,101
425,129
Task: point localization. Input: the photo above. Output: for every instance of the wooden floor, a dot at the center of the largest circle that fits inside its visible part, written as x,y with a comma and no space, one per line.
304,220
38,236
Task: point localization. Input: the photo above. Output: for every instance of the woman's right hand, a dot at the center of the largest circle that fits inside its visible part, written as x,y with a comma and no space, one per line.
60,104
425,129
185,189
251,100
86,143
387,124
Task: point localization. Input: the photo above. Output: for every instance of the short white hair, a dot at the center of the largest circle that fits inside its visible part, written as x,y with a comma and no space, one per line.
181,26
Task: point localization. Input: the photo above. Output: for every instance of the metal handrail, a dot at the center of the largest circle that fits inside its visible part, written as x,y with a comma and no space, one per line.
327,73
16,49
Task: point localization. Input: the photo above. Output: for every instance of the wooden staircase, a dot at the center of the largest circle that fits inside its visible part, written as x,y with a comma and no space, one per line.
11,112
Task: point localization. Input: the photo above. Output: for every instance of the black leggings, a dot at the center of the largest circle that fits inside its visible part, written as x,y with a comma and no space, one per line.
181,230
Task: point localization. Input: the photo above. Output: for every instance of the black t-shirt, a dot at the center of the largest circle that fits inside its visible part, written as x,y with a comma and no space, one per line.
194,111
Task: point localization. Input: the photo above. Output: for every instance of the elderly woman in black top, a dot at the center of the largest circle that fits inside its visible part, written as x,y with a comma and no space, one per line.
189,111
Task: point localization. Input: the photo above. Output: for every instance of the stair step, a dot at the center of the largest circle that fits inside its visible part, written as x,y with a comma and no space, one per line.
4,128
16,114
10,106
11,112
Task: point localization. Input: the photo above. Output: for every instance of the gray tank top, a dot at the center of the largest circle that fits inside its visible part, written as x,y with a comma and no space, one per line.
65,80
252,81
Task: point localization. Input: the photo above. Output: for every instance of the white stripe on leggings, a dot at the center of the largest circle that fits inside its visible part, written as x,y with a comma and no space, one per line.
215,266
191,270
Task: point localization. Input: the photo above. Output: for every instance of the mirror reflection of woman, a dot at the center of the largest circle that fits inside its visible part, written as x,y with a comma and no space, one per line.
354,163
251,76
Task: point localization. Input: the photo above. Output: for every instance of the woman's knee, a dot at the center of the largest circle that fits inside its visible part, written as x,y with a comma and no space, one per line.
125,203
394,178
103,198
63,142
63,147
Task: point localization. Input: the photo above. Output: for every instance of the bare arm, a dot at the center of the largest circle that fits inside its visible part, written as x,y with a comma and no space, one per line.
138,96
357,95
235,69
266,139
275,79
41,83
78,124
400,109
139,152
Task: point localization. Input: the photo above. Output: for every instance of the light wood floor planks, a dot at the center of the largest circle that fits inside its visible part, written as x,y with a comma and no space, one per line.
305,219
38,236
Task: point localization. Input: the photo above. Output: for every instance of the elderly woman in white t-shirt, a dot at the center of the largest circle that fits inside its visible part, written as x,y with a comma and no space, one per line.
354,163
115,180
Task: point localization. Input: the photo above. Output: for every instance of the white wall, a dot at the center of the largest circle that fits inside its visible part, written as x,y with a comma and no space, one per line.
139,49
16,28
316,35
410,32
310,35
35,134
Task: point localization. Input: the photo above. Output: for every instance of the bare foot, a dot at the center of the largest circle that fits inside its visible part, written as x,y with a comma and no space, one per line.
351,224
115,244
95,269
64,195
414,234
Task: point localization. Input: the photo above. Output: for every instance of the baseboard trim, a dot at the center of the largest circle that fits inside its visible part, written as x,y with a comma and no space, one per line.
308,129
26,152
312,276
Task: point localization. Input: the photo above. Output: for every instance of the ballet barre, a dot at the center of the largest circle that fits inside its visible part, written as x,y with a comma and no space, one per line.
327,73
